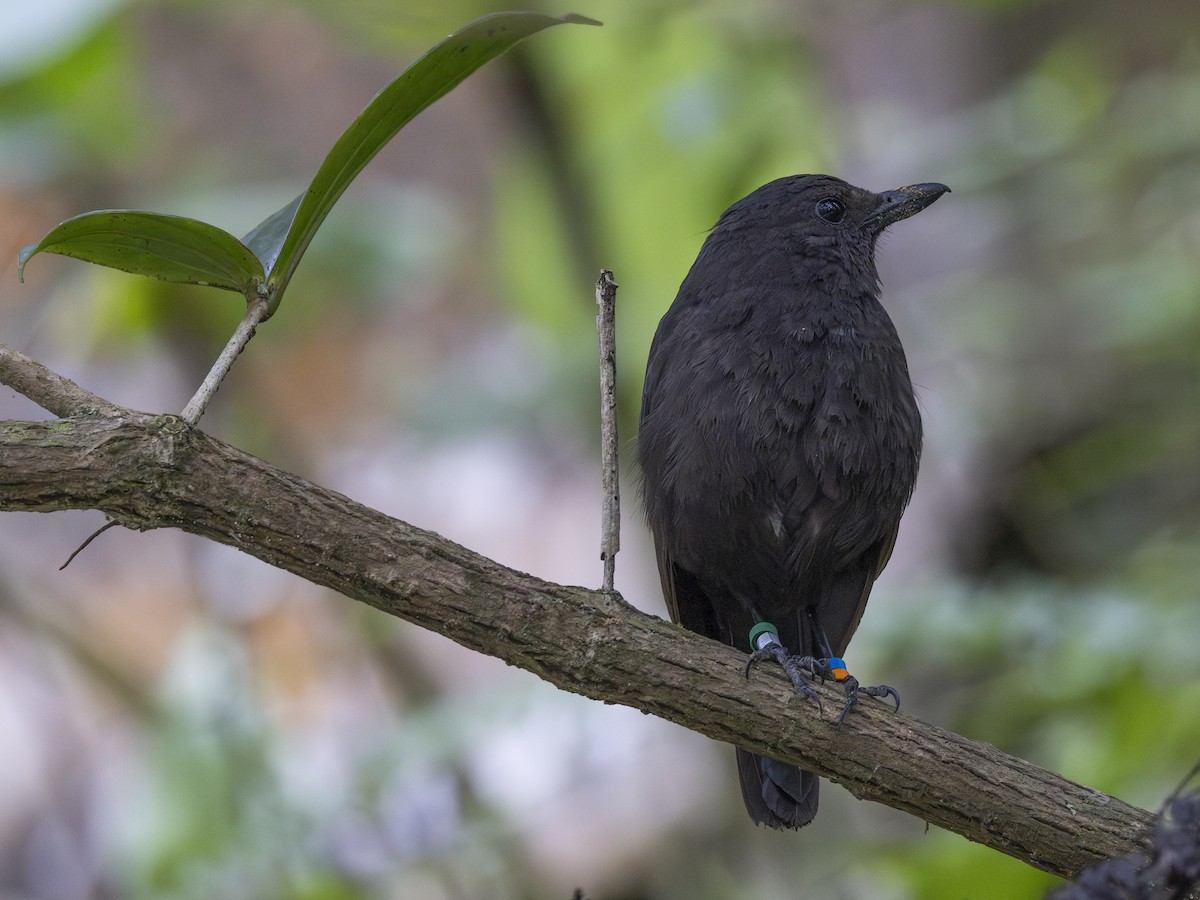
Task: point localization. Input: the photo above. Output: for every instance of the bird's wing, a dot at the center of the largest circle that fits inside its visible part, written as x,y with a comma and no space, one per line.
687,603
885,553
842,608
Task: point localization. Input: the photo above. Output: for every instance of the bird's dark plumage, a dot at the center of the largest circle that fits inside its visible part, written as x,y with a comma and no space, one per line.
779,436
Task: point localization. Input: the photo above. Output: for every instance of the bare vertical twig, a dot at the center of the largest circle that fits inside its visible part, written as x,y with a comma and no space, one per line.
256,311
610,520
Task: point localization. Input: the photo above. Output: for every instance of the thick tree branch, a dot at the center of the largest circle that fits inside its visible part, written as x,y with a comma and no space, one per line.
156,472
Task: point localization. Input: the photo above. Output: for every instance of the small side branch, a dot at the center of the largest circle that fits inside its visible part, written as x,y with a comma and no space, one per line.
610,525
256,312
49,390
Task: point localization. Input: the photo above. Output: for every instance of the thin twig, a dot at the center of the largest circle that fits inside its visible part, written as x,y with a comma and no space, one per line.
610,524
256,311
91,537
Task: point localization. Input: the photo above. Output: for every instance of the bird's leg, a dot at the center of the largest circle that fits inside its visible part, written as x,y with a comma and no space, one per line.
764,639
834,667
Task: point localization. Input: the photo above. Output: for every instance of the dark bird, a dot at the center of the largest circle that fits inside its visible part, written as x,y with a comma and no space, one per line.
779,440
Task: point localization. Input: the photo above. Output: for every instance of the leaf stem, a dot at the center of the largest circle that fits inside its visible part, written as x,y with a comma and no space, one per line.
256,312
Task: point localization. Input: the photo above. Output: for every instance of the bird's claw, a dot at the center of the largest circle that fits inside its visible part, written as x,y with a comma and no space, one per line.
793,667
817,669
801,668
854,689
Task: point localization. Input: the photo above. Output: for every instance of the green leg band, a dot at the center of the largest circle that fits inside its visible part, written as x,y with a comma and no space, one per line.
757,639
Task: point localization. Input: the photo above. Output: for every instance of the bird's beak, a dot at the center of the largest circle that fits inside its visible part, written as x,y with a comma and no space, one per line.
902,203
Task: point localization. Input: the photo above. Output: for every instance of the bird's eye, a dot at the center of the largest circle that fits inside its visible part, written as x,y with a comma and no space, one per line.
831,210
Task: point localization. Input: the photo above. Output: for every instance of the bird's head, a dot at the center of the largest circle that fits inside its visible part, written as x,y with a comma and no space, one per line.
824,205
825,219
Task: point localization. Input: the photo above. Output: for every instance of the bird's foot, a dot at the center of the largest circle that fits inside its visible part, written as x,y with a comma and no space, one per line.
767,646
835,668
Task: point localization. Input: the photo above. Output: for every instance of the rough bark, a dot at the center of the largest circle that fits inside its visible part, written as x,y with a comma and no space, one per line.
148,471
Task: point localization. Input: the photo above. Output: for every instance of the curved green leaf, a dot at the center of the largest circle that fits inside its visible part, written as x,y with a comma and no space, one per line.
172,248
266,239
427,79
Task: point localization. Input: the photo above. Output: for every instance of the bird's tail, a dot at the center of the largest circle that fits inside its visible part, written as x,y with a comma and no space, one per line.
777,794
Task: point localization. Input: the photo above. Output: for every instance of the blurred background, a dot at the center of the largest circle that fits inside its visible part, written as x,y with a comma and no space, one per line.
181,721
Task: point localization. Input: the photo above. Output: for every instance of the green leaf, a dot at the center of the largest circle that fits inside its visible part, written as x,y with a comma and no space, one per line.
266,239
172,248
427,79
